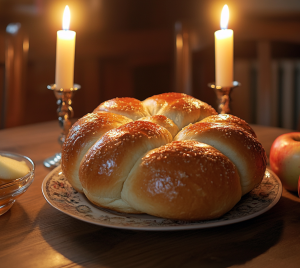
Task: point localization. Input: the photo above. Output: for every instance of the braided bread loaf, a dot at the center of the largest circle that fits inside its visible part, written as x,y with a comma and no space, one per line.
170,156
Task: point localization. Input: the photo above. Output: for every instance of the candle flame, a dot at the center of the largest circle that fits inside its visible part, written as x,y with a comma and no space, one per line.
224,17
66,19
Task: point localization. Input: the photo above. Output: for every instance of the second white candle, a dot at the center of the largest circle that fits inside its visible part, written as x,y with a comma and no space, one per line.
224,52
65,54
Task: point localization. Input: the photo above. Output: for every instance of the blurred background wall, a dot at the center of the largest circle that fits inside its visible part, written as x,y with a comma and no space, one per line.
131,48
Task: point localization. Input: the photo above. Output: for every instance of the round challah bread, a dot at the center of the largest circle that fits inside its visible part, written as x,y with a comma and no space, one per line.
165,163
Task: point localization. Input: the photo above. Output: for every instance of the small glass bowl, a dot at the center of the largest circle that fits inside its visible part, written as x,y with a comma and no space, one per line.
11,190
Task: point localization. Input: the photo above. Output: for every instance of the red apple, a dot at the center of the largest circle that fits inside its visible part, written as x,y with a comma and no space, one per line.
285,159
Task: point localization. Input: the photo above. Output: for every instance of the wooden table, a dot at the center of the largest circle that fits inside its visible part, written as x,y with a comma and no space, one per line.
33,234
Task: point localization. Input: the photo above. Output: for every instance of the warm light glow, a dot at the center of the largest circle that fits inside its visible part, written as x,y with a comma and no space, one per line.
224,17
179,42
66,19
26,45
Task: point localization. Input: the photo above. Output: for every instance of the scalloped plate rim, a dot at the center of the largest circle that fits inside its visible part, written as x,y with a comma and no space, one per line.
190,226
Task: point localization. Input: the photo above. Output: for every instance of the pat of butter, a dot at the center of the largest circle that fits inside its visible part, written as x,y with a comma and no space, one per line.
11,169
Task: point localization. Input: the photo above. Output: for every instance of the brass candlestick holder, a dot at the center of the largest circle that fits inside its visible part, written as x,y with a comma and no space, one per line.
223,96
65,113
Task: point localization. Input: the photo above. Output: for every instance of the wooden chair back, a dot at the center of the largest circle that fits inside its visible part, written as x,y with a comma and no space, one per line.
14,46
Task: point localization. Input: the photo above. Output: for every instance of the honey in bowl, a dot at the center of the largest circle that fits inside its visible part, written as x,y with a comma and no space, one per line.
16,175
11,169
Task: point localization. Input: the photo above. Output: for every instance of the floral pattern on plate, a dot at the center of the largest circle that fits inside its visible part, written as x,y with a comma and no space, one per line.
59,193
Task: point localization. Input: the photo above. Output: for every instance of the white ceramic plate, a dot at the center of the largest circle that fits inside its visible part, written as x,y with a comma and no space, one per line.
60,194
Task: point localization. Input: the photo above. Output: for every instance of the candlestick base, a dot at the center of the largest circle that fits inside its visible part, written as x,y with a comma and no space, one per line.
65,113
223,96
53,161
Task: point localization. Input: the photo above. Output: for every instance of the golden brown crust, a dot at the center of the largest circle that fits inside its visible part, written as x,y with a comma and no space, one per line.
107,164
229,119
245,151
83,134
129,107
134,167
184,180
182,109
162,121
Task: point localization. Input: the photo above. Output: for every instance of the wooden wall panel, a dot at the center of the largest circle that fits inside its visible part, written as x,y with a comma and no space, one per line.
242,101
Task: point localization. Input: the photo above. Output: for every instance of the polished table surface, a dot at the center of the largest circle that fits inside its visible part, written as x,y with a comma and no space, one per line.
34,234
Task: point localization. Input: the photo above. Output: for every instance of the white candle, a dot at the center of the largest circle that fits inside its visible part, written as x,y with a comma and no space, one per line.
65,54
224,52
